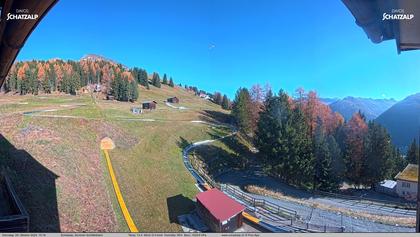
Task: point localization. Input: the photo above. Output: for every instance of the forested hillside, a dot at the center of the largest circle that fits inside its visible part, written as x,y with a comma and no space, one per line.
38,76
303,142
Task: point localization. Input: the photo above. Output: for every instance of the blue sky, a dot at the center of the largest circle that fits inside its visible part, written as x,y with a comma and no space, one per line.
226,44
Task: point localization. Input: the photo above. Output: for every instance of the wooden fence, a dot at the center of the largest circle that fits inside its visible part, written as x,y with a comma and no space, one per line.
391,204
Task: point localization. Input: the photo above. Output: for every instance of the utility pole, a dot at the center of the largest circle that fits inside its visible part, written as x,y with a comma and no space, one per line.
418,190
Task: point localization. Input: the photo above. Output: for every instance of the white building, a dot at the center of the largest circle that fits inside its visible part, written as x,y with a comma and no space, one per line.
407,182
387,187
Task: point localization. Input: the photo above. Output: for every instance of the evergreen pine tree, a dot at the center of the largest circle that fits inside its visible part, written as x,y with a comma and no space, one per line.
225,102
301,149
270,137
377,163
165,79
171,83
156,80
324,179
283,141
240,111
399,163
133,90
413,153
337,161
12,81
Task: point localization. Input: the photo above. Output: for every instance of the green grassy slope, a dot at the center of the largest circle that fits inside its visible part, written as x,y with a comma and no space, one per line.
147,158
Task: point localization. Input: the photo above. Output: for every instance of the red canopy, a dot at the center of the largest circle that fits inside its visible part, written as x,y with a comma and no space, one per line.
221,206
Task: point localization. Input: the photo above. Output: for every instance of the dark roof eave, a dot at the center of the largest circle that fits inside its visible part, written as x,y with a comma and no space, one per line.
14,33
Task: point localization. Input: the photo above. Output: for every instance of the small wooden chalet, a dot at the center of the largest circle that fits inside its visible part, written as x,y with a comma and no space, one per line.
149,105
218,211
173,100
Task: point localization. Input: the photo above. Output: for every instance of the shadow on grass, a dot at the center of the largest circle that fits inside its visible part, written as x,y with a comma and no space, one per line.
34,184
239,149
183,143
178,205
212,116
234,166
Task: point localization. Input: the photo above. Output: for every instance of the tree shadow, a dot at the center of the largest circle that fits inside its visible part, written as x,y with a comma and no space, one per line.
212,116
240,151
216,160
178,205
34,185
183,143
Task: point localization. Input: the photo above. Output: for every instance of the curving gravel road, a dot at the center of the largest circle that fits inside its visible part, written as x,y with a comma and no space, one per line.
313,215
309,214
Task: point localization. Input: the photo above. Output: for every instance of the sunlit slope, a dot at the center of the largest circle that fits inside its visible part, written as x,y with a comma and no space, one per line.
64,141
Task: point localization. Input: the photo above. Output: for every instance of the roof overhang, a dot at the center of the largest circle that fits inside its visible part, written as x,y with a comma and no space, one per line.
369,15
15,32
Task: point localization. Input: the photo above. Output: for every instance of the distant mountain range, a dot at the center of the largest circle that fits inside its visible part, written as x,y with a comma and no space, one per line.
371,108
329,101
403,120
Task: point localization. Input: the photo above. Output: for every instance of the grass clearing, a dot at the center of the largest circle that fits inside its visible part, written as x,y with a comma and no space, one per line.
68,172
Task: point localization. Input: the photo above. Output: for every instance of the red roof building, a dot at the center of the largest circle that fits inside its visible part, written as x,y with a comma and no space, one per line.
218,211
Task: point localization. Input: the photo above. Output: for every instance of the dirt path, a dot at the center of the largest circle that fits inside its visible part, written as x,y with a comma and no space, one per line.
175,107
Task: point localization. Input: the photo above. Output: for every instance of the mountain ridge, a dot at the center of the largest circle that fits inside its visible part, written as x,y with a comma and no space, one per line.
402,120
372,108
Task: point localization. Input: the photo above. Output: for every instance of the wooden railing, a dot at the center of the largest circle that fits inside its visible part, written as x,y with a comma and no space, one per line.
401,205
256,202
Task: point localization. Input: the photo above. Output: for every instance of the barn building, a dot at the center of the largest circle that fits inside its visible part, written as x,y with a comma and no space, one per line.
218,211
173,100
407,182
149,105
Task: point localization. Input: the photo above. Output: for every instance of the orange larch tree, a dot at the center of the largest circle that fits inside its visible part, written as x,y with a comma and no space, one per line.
355,133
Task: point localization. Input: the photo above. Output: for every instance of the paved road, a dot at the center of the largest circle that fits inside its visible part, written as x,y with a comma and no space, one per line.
316,215
241,179
309,214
